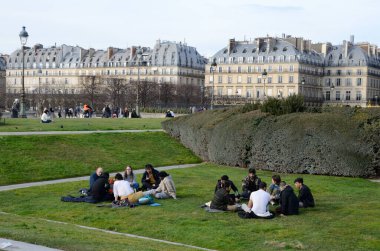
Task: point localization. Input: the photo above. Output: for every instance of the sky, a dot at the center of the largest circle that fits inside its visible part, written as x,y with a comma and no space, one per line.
204,24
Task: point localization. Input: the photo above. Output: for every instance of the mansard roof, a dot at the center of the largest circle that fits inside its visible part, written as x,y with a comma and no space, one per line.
164,53
275,49
355,56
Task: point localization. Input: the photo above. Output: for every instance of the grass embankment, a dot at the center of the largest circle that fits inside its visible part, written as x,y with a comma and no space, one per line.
36,158
346,216
34,125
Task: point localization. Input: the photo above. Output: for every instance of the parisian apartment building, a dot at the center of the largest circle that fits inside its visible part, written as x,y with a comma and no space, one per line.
246,71
59,69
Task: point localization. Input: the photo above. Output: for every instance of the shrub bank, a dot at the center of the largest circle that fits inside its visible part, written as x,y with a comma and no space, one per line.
337,141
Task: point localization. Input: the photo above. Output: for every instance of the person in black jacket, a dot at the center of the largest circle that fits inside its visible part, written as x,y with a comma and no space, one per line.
150,179
233,197
305,196
99,190
221,200
288,200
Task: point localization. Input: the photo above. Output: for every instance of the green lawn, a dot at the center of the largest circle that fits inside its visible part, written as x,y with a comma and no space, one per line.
44,157
346,216
29,125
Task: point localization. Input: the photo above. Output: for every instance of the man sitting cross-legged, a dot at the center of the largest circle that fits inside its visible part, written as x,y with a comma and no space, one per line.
122,190
258,203
221,199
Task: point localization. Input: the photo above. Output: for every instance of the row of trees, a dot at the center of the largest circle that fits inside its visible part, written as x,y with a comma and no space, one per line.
98,91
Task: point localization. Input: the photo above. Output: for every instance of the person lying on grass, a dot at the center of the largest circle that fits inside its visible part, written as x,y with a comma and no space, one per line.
221,200
305,196
122,190
166,189
258,204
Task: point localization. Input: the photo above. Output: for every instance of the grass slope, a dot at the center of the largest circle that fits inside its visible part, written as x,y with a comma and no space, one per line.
35,158
346,216
32,125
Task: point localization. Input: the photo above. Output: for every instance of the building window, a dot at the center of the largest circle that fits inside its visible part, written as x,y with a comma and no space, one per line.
249,69
291,79
269,68
220,91
220,70
249,93
269,80
291,68
359,72
279,79
348,81
229,79
327,95
249,80
229,69
338,82
358,81
348,95
358,95
239,79
280,68
259,80
239,69
258,94
220,79
337,95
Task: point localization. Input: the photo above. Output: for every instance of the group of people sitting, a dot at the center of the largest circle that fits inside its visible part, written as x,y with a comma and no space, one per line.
125,187
260,196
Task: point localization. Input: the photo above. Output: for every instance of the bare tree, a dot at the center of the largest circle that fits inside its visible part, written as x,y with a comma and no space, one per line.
116,89
92,88
166,94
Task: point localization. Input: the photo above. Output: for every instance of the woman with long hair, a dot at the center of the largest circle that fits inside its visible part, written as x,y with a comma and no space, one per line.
130,177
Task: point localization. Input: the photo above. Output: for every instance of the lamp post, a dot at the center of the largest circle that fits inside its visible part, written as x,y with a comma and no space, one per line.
159,94
302,85
264,76
213,68
139,54
39,105
202,94
23,38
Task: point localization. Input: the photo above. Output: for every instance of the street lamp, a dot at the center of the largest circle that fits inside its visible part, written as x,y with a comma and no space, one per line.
213,68
332,92
264,76
39,105
23,38
302,85
139,54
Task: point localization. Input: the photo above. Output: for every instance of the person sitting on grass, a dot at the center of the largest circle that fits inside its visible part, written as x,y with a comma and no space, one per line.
305,196
95,175
99,190
166,189
45,117
250,183
258,204
219,184
131,178
221,200
274,189
288,200
122,190
150,179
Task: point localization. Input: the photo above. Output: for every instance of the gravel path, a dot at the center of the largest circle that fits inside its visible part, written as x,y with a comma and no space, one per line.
75,132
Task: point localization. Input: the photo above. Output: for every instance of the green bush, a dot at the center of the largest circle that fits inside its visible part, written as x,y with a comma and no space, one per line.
294,103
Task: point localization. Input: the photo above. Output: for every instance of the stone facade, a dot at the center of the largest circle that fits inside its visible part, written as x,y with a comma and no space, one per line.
60,69
3,60
294,66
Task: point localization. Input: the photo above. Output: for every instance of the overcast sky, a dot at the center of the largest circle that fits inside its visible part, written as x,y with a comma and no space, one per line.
204,24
